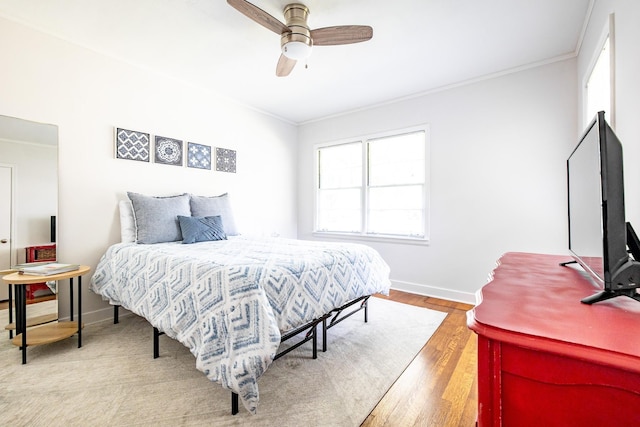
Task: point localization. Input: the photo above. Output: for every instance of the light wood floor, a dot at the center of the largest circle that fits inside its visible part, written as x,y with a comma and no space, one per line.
439,388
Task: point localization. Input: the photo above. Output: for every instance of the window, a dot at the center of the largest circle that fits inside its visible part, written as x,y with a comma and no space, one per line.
374,186
599,81
598,84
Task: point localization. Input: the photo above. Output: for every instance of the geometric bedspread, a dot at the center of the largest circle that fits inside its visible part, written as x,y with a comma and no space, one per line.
228,301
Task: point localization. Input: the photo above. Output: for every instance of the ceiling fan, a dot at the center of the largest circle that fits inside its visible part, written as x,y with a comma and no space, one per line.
296,39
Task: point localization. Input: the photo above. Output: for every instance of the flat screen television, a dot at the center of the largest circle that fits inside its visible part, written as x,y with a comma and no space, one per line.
599,237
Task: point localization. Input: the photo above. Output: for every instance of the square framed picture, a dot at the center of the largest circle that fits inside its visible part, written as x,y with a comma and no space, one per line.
198,156
225,160
133,145
168,151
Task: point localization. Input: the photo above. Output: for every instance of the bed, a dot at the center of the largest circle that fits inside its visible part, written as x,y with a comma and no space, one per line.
231,300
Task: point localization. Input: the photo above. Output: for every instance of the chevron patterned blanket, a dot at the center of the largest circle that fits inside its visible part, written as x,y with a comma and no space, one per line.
229,301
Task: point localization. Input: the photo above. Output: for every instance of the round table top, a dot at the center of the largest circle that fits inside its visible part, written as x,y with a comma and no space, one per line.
26,279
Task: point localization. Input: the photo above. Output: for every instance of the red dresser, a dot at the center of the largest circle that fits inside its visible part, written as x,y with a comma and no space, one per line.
546,359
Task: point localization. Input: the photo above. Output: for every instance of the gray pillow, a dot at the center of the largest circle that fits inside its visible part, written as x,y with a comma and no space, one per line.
198,229
215,206
157,217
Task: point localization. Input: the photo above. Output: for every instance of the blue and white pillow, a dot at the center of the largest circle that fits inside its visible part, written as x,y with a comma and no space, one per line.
201,229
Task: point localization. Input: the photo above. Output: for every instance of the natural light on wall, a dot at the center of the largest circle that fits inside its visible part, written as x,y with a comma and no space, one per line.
374,186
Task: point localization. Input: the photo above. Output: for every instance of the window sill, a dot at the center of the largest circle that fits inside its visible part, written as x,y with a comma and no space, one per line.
366,238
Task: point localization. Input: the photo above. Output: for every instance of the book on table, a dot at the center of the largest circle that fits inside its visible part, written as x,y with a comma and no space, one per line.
47,269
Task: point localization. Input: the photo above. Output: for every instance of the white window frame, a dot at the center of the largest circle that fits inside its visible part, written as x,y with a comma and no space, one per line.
363,235
608,33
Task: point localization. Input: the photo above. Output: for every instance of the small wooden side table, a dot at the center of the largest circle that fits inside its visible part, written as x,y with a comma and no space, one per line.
50,332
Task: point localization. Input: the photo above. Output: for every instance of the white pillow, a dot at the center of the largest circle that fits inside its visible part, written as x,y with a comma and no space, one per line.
127,222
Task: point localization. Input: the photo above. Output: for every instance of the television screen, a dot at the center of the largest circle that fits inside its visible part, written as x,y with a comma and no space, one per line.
585,204
597,228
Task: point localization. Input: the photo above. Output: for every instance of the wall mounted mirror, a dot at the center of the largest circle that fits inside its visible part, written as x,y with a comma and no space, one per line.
29,197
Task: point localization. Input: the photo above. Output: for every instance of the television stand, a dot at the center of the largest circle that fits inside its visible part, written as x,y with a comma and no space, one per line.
630,271
545,359
605,295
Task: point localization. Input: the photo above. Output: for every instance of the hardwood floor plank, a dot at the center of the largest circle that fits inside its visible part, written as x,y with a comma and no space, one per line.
470,412
439,387
459,387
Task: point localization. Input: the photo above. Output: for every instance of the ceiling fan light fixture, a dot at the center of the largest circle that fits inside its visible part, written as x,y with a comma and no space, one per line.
296,38
296,50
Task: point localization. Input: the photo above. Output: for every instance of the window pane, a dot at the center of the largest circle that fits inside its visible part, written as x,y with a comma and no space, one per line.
340,166
402,223
339,210
599,85
396,210
398,159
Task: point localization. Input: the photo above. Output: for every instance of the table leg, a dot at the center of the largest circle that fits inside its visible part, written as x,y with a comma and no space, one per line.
21,318
71,299
18,310
10,309
79,311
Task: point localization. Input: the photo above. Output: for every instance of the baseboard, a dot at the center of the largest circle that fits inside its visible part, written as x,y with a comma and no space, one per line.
99,315
432,291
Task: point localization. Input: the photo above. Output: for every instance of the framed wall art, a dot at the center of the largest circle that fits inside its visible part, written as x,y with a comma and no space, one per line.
133,145
198,156
168,151
225,160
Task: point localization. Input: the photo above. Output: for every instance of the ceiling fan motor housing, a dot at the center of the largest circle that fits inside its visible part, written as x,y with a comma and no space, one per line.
297,43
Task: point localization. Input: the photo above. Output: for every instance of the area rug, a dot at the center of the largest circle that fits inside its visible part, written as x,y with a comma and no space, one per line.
113,379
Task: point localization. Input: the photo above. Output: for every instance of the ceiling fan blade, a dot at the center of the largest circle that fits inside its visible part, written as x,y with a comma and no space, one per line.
285,65
259,15
343,34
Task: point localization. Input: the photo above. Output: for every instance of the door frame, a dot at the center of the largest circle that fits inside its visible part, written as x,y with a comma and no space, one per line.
12,223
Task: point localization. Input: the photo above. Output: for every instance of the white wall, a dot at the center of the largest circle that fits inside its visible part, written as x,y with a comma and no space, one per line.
627,86
86,94
498,174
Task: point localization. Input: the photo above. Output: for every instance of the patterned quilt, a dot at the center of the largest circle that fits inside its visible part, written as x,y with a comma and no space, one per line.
229,301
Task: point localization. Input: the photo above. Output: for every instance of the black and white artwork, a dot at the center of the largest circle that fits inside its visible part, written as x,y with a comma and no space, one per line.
198,156
133,145
225,160
168,151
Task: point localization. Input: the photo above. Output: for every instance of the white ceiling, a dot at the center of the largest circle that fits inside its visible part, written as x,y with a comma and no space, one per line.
418,45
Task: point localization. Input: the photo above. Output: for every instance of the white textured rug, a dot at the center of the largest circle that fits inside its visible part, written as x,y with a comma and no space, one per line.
113,379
